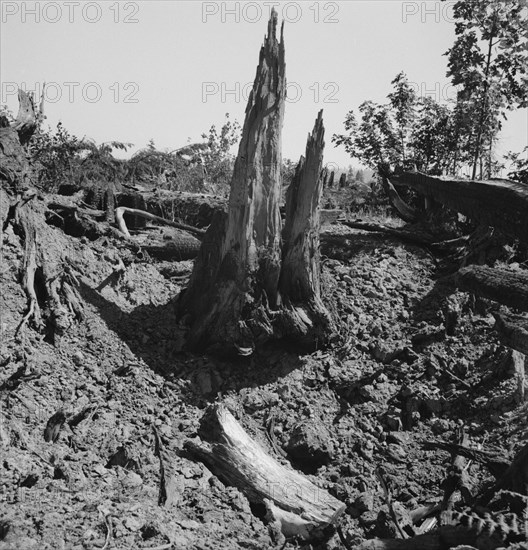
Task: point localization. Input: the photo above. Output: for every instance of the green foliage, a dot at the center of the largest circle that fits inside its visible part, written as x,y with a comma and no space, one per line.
519,168
407,129
152,167
57,157
288,171
62,158
217,157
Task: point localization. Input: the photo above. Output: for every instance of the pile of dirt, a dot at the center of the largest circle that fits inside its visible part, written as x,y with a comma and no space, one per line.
92,428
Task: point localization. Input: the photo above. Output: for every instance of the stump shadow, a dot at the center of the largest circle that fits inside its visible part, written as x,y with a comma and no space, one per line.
152,334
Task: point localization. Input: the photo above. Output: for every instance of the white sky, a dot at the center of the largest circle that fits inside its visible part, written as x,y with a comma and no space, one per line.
167,70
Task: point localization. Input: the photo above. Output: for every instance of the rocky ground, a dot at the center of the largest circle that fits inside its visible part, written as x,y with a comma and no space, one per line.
93,425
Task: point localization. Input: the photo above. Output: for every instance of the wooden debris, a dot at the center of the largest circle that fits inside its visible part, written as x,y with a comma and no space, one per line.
513,331
505,286
301,508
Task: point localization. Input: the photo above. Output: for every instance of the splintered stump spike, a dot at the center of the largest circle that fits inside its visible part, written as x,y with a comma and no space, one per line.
234,300
296,503
26,120
501,203
300,283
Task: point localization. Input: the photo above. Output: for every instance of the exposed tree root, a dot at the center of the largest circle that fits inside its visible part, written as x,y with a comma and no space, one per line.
50,298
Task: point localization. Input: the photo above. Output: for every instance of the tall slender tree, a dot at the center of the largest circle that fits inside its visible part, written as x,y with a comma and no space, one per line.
489,62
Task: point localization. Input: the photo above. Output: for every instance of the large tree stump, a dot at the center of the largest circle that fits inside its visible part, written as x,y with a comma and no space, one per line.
300,507
234,299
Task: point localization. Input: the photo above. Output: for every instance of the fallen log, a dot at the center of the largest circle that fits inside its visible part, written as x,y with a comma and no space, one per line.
500,203
513,331
514,479
505,286
412,235
301,508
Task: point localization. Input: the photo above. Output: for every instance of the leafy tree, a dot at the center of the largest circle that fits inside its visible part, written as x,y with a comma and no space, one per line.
98,162
62,158
403,107
406,130
217,157
56,155
432,137
149,166
488,61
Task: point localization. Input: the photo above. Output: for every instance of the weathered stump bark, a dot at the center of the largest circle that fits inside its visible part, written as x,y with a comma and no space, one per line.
234,299
505,286
501,203
290,498
300,283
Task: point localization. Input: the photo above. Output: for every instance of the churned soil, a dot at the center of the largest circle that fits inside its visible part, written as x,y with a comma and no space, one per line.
92,426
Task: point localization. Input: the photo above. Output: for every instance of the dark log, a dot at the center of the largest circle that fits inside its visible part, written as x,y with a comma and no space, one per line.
500,203
513,331
412,235
342,181
505,286
234,300
331,179
300,507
